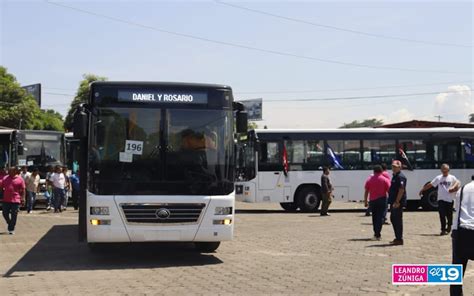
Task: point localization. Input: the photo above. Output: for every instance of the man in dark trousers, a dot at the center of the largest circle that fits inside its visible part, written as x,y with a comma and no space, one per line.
397,199
326,191
463,231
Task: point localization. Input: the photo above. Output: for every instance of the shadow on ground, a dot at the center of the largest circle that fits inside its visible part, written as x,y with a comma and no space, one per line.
59,250
278,211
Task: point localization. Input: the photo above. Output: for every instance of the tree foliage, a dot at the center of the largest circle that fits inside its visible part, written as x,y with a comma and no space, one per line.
18,109
82,96
471,117
372,122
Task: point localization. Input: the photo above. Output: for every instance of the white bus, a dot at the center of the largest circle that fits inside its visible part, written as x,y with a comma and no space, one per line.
157,163
351,153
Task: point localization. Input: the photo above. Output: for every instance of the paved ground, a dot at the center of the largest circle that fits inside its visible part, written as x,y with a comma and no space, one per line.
272,253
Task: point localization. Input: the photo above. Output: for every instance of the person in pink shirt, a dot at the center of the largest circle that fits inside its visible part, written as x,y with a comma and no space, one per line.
376,189
13,195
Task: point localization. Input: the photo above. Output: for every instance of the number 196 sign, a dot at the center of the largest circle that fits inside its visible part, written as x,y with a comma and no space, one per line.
430,274
134,147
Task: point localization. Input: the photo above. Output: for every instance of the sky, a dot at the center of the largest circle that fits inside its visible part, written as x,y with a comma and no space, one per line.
311,52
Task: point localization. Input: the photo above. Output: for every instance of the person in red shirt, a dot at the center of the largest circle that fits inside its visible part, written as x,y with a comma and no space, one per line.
376,189
3,174
13,195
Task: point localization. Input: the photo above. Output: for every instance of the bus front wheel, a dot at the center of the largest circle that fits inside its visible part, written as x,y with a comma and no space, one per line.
289,206
309,199
429,201
207,247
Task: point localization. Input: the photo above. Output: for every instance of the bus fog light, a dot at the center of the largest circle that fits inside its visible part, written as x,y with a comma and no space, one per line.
223,211
100,222
100,211
223,222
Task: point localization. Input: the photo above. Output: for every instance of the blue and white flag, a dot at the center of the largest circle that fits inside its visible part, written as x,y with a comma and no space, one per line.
5,157
333,158
468,151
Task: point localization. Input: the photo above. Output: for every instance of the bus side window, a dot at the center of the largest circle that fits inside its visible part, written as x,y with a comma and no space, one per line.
270,156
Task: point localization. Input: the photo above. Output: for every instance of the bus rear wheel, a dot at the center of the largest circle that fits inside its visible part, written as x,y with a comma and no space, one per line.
309,199
289,206
206,247
429,201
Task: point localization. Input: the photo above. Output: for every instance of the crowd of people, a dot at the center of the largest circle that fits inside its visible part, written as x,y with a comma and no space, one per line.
19,189
383,191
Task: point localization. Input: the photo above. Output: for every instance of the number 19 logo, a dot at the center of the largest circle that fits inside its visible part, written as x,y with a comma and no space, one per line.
445,274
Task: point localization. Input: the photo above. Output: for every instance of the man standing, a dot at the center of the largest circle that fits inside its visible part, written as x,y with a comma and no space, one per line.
59,185
67,188
397,199
376,187
75,189
14,194
24,173
326,191
32,188
447,186
463,231
49,188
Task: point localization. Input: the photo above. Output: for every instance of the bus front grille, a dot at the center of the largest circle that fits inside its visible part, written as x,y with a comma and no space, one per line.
178,213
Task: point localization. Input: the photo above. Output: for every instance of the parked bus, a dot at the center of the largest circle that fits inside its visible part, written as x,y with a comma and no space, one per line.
351,153
157,163
40,149
34,149
8,140
72,152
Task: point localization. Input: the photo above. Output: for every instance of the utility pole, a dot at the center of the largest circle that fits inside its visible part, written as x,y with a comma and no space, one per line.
439,117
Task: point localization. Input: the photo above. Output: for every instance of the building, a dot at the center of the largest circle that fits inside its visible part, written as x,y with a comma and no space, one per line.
425,124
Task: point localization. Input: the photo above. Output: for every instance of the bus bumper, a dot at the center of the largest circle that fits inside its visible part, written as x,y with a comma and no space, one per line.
115,227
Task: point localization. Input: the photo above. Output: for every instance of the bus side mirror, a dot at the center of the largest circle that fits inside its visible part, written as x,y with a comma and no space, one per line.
20,148
80,123
242,122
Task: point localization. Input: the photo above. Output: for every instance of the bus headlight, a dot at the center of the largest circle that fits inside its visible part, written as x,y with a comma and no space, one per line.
223,222
99,210
96,222
223,211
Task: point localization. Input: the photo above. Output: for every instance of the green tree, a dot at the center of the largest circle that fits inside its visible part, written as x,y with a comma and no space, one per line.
81,97
18,109
471,117
372,122
51,120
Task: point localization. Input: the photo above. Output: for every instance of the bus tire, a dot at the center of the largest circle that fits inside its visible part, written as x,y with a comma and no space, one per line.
206,247
413,205
309,199
429,201
289,206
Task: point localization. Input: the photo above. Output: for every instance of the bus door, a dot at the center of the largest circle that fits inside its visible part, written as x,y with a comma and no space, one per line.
270,172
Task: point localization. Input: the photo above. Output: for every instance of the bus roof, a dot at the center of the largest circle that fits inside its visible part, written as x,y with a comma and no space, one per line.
367,130
160,83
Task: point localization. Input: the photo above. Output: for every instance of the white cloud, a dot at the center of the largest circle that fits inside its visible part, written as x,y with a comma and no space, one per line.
455,104
397,116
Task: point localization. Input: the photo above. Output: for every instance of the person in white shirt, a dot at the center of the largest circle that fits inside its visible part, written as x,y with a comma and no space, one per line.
24,172
59,184
447,186
463,231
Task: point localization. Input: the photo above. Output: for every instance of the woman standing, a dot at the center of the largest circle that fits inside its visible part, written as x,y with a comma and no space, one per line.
32,186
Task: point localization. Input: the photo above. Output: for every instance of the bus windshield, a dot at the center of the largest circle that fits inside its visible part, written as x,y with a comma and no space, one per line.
161,151
41,150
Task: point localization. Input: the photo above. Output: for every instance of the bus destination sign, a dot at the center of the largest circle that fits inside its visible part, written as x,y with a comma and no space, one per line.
163,97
